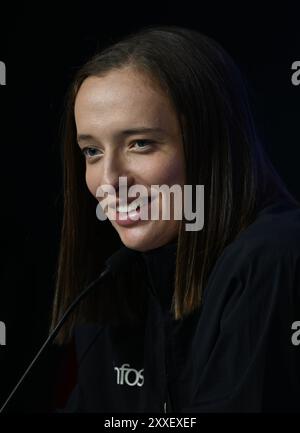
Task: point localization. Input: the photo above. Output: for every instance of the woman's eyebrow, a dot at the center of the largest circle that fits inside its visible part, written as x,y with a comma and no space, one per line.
125,132
85,137
141,130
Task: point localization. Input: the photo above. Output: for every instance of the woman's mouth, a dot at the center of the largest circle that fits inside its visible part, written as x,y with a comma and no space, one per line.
130,214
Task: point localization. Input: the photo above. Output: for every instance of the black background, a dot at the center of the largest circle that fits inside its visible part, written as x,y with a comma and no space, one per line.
42,46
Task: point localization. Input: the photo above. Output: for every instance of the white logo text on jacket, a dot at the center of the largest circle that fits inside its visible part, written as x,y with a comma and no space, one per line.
129,376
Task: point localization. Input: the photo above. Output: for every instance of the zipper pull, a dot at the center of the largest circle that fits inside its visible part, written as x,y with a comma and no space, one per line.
165,407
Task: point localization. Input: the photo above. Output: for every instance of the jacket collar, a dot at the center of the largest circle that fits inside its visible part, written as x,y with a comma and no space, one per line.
160,265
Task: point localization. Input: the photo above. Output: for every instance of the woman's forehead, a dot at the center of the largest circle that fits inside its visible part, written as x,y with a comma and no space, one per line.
118,87
114,103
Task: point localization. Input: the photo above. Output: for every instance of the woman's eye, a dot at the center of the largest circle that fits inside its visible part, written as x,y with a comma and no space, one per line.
92,152
142,144
89,152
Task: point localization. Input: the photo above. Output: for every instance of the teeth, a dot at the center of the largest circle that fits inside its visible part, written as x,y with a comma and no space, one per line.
133,205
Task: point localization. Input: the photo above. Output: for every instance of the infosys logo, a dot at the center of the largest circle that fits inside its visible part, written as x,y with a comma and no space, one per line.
129,376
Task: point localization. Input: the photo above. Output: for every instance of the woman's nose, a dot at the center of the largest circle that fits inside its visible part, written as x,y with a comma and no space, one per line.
113,168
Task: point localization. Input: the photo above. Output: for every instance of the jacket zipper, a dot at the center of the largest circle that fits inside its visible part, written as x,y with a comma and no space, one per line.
165,407
167,396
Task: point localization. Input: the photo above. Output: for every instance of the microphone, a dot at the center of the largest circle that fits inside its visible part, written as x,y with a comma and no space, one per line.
113,265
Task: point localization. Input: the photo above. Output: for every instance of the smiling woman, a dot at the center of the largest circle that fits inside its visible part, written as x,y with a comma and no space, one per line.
201,317
104,109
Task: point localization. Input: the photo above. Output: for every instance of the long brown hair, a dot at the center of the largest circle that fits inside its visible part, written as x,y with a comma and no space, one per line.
222,152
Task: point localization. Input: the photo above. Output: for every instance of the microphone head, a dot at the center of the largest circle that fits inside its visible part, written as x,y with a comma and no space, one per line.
125,297
121,260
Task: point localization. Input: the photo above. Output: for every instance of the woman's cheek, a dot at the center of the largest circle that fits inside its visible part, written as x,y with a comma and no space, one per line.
173,172
91,182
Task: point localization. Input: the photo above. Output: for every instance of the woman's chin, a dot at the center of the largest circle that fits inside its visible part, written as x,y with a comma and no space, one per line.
143,238
138,243
147,235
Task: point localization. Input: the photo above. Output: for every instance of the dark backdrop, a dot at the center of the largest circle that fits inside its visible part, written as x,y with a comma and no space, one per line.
42,46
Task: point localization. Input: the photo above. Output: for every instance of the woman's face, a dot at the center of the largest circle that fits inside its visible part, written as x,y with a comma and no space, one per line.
105,108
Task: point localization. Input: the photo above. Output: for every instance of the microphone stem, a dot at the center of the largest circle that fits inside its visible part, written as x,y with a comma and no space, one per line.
53,334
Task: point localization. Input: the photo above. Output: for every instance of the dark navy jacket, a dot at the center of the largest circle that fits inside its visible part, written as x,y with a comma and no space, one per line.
237,353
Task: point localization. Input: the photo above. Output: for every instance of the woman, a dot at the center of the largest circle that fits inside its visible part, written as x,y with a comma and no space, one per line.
191,320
